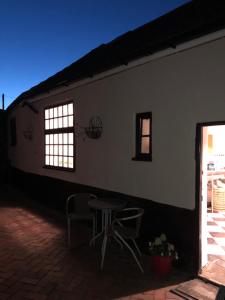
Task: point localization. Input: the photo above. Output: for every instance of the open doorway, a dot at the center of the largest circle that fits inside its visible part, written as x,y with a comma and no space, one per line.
212,202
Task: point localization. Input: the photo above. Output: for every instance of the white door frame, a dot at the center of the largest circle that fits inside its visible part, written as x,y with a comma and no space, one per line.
201,193
203,196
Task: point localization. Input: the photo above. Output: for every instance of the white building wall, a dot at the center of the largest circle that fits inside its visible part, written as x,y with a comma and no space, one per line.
180,90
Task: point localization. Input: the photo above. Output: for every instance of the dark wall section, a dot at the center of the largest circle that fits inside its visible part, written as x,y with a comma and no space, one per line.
3,146
179,224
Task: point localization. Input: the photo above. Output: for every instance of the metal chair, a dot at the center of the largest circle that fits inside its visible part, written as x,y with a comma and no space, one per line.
123,233
77,209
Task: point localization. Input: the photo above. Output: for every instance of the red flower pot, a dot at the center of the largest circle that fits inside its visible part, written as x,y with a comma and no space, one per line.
161,265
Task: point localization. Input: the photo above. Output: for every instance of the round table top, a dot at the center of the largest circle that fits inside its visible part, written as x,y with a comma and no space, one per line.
107,203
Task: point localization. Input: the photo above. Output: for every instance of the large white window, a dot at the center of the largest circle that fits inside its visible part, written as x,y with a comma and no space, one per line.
59,136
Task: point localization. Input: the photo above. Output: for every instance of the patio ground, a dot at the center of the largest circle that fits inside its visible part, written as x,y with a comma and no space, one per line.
35,262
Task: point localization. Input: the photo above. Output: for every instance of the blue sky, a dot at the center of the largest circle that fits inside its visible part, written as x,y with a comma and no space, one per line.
41,37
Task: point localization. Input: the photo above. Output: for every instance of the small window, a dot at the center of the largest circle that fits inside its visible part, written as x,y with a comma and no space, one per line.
143,136
59,137
13,135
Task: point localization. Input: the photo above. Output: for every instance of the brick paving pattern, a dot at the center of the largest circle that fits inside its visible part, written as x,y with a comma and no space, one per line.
36,264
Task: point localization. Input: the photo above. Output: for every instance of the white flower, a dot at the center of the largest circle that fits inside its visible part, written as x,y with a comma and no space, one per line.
162,254
163,237
170,247
158,241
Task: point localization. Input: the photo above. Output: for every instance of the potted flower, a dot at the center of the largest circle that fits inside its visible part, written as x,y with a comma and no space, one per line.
163,253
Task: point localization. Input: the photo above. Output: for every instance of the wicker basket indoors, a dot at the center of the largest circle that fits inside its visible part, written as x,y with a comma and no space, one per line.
218,199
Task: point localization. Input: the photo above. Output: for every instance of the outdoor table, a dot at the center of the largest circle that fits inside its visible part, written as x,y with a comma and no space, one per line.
107,206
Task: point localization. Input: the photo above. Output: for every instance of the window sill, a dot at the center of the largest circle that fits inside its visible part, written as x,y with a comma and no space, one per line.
142,158
59,168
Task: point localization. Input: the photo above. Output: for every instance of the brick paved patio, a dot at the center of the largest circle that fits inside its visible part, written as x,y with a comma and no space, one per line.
35,262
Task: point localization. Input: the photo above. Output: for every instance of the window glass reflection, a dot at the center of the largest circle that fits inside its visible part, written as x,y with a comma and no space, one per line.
145,126
70,109
60,111
47,160
51,113
46,114
145,145
65,110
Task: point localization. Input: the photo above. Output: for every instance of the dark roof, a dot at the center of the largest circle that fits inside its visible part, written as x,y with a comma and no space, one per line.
192,20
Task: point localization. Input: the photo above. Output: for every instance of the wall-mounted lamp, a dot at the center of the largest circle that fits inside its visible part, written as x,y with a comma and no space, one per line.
94,130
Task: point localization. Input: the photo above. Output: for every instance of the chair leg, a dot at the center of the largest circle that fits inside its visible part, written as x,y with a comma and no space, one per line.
96,222
137,248
68,230
95,237
131,250
118,241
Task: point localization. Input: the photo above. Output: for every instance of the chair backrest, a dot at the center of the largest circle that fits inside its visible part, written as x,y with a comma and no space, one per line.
78,203
133,214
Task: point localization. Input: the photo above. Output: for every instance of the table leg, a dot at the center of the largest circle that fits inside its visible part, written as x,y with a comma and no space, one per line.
106,220
92,241
104,243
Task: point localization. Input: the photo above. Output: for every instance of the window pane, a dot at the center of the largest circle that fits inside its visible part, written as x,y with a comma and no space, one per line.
70,121
47,139
51,124
65,139
55,138
70,109
51,160
56,161
145,126
51,139
65,122
60,111
70,160
51,113
65,150
47,150
60,150
65,160
145,145
65,110
55,123
46,114
60,138
70,150
55,112
47,124
56,148
51,150
60,161
47,160
60,122
70,138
